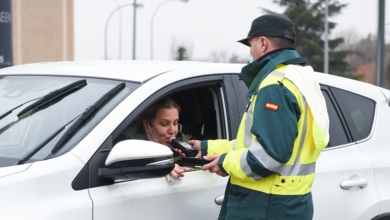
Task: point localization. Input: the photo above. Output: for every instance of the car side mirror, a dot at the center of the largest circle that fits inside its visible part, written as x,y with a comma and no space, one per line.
137,159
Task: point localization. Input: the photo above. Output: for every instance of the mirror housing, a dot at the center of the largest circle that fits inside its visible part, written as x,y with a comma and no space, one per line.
137,159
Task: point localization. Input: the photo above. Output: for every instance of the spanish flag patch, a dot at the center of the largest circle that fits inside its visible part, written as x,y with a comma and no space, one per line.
271,106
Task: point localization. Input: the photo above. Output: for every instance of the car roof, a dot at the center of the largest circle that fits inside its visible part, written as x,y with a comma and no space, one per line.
133,70
144,70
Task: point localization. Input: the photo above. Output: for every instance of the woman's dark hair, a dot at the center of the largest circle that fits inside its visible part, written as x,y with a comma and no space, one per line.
150,113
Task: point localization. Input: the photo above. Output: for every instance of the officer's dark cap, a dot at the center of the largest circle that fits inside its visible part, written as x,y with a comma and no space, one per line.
271,25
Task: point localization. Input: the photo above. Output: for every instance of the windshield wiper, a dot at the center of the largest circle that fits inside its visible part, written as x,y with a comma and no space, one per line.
54,95
50,95
86,115
44,100
43,143
11,110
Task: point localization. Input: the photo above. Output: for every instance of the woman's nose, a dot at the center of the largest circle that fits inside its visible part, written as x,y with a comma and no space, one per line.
172,128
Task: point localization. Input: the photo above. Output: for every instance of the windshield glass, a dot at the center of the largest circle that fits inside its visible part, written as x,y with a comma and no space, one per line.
34,108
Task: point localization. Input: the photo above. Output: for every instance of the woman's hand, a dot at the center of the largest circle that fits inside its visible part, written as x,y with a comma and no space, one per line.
177,172
178,151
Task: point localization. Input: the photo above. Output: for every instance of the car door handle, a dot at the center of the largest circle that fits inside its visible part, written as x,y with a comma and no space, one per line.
219,199
354,181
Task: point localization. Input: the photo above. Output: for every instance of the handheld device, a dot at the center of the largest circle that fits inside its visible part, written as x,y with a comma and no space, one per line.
192,162
185,147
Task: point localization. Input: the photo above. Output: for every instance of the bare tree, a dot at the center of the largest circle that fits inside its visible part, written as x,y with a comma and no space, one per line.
181,50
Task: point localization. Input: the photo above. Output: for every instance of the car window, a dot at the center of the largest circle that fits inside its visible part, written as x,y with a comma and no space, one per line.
36,111
241,91
358,112
337,133
199,112
200,116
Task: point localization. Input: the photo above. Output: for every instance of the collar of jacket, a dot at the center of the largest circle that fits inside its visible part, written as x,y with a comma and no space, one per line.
253,73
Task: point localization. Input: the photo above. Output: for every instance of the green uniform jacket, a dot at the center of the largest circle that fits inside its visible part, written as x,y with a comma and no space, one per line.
272,161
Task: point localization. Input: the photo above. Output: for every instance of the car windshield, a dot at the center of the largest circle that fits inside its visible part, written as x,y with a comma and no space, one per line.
37,111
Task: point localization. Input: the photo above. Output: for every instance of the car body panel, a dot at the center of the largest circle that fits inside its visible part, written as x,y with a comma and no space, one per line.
377,148
332,170
44,191
355,162
14,169
156,199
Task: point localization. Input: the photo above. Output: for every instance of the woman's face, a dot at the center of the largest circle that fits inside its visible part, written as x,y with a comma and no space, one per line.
164,126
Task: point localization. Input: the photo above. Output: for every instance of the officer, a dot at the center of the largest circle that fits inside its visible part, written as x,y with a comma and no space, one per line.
271,163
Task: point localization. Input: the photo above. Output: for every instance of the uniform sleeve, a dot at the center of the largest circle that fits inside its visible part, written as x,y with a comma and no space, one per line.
275,120
213,147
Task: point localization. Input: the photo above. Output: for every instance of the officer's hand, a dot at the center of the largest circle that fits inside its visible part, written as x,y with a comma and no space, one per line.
196,145
213,165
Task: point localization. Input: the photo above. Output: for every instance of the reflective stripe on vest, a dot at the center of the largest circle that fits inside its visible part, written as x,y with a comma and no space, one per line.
297,169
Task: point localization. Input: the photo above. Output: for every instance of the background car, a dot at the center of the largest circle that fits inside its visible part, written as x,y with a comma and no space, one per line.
69,149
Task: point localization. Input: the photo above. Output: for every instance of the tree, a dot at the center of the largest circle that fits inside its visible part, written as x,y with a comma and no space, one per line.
181,50
364,51
308,19
362,58
181,53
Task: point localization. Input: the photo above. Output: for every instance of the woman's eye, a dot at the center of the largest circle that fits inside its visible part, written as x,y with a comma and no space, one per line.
164,123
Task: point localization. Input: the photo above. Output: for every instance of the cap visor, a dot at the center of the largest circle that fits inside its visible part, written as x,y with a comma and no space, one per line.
245,41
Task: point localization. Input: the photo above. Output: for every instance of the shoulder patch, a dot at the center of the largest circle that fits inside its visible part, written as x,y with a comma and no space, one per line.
271,106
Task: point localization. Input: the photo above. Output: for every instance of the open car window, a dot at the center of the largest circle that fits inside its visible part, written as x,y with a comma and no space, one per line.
201,115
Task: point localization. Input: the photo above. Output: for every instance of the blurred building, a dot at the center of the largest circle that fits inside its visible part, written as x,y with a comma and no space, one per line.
6,57
42,30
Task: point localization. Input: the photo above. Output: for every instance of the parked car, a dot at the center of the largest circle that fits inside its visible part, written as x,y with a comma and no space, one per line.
67,150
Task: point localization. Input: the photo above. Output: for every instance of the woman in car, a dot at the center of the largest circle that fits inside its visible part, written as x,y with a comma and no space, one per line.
160,123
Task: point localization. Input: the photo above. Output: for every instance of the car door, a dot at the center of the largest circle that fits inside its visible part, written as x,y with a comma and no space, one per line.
344,187
198,194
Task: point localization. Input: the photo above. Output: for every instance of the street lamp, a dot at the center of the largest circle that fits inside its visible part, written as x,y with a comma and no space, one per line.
380,49
152,23
135,5
326,39
106,26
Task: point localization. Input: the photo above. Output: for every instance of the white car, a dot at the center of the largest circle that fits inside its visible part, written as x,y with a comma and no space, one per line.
68,149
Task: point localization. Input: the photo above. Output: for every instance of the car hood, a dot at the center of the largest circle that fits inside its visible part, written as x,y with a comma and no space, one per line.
6,171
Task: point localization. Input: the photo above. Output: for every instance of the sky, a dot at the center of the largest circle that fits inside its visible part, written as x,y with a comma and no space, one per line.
104,29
